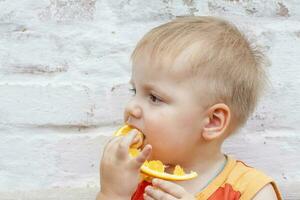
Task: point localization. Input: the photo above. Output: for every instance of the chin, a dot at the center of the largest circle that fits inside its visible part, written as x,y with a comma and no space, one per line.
166,160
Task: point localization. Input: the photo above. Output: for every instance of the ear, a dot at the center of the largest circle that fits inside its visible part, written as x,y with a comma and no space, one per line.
216,121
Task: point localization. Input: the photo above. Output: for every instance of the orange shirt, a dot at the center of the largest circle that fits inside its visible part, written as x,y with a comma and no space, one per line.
236,181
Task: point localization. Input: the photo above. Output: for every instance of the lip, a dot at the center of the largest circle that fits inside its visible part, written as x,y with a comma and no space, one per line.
134,127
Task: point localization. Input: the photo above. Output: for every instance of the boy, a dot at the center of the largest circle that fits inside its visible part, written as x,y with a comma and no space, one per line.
195,82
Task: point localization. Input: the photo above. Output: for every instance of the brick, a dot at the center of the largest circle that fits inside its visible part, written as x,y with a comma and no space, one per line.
271,8
61,104
51,158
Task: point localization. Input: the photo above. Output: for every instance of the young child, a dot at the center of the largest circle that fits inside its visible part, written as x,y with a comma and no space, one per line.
195,80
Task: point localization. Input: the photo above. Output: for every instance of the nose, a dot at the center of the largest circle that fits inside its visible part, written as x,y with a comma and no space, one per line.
133,111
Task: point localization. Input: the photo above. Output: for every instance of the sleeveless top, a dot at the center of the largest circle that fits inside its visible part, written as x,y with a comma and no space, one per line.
237,181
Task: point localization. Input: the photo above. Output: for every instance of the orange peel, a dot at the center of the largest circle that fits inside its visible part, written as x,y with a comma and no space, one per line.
153,168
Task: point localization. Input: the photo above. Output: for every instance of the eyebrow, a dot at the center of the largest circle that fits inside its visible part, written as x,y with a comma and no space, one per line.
149,87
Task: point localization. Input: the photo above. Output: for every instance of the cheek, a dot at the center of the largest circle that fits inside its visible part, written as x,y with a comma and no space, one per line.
191,118
186,120
169,124
166,124
188,127
159,128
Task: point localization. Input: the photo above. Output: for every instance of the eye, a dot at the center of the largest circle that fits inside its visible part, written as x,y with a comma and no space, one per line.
154,99
132,91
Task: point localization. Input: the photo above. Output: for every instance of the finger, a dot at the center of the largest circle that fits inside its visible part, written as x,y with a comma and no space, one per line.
169,187
112,141
109,150
146,197
144,155
158,194
135,140
125,143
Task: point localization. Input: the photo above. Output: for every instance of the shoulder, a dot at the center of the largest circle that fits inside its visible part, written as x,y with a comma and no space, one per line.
244,175
252,183
266,193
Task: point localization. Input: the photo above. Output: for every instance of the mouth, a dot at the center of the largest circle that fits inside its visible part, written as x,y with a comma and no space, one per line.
143,138
144,142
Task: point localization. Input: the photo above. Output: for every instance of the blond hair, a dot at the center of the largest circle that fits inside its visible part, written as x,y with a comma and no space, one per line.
221,54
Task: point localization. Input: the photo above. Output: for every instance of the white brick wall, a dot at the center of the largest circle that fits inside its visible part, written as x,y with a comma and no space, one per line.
64,65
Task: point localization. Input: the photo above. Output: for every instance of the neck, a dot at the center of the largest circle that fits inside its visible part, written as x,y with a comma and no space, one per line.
208,164
201,159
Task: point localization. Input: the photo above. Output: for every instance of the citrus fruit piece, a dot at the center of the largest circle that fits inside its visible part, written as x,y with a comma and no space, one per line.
153,168
156,169
178,171
134,152
124,130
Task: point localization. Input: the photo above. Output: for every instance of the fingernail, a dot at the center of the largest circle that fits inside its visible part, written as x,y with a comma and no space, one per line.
148,188
154,181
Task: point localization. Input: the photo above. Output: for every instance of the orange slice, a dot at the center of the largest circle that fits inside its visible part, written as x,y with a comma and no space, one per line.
154,168
124,130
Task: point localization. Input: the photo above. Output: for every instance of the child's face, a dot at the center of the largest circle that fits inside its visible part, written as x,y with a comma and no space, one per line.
167,109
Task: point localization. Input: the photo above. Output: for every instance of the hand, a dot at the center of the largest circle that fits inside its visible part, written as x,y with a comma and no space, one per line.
166,190
119,172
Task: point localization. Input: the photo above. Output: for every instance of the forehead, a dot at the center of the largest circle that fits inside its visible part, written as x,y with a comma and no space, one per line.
152,71
175,66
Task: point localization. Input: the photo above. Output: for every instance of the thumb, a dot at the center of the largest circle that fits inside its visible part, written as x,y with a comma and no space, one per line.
142,157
